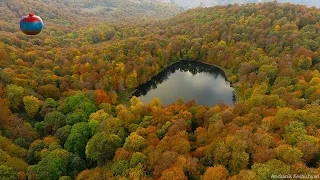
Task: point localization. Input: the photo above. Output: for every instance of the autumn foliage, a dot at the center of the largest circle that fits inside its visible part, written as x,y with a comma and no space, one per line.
66,110
102,97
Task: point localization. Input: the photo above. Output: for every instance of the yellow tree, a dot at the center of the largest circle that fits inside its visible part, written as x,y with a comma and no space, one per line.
31,105
218,172
155,102
136,106
131,80
135,142
173,173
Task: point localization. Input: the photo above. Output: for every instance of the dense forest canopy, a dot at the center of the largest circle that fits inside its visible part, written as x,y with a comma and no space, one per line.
107,9
65,111
207,3
120,9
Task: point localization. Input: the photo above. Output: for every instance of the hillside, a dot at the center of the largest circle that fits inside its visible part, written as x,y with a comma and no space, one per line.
119,9
66,111
71,11
208,3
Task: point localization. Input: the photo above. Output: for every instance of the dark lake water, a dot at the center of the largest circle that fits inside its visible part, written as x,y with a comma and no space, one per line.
206,84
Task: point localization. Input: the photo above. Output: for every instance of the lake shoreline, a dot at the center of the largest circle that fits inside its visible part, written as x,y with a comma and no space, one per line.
176,64
172,63
213,65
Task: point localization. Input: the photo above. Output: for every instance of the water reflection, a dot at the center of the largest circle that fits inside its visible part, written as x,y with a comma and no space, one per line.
206,84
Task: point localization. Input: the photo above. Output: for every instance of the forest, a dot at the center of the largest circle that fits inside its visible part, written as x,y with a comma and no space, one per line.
208,3
66,111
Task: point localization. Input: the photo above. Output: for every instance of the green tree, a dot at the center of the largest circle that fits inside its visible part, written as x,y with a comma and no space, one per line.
34,151
7,173
78,138
71,103
15,95
121,168
50,103
52,166
88,107
137,158
63,133
101,147
65,178
77,116
296,132
53,121
76,143
76,165
135,142
265,171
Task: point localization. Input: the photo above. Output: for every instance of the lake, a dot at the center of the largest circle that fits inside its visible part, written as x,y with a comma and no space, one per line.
205,84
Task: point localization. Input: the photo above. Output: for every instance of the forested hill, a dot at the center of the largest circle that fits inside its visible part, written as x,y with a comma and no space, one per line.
54,14
70,11
123,9
65,112
207,3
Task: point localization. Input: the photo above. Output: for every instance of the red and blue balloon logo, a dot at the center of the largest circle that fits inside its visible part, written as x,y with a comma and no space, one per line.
31,24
